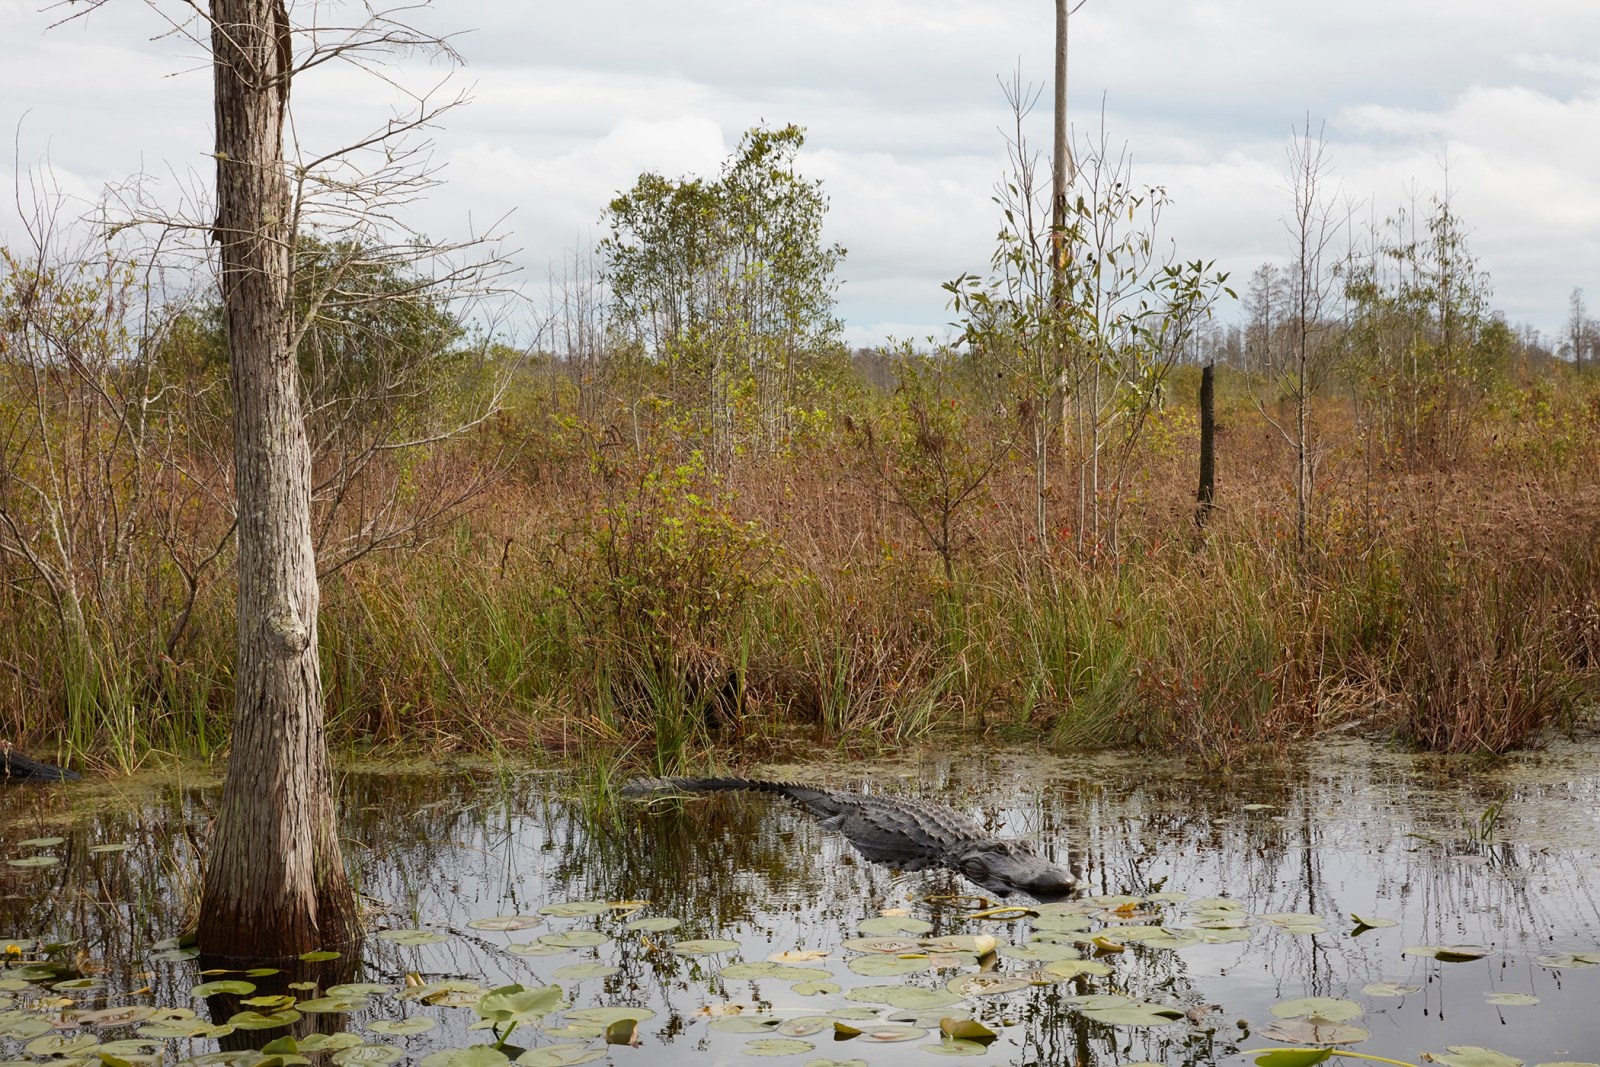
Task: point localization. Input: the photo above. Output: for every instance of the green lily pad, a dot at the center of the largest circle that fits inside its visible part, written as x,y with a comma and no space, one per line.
951,1046
42,842
413,938
133,1013
654,924
984,985
1473,1056
1064,969
328,1042
24,1029
116,846
746,1024
880,966
358,989
901,996
702,947
889,925
1314,1031
811,989
888,945
236,986
471,1056
367,1054
1390,989
566,1054
1371,922
607,1016
1449,954
1136,1013
517,1004
966,1030
578,909
1039,952
805,1025
535,949
776,1046
34,861
574,939
74,984
1294,1057
1333,1009
61,1045
255,1020
1066,924
1511,1000
416,1024
580,971
505,922
321,955
835,1063
331,1005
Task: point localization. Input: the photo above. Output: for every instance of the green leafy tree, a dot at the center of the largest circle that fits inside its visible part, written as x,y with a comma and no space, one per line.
730,285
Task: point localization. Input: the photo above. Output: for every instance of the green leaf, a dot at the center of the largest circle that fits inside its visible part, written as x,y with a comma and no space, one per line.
236,986
255,1020
1333,1009
1136,1013
367,1054
34,861
471,1056
515,1004
505,922
655,924
1293,1057
1511,1000
413,938
703,947
42,842
321,955
1473,1056
887,925
776,1046
1448,953
580,971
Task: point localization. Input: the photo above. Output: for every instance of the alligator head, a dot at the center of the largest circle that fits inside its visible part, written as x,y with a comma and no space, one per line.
1004,867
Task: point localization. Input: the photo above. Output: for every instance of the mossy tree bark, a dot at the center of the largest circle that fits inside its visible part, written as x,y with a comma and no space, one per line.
275,884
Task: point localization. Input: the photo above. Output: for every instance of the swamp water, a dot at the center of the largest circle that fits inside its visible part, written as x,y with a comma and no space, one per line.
732,925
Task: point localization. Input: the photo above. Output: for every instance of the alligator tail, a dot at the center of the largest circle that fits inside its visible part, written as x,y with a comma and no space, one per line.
645,787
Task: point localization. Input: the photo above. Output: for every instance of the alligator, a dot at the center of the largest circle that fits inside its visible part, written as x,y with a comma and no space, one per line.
904,832
14,766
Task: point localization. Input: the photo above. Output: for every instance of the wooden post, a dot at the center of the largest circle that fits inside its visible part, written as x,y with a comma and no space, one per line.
1208,459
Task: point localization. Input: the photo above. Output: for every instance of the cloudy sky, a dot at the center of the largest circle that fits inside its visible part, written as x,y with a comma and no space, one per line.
571,101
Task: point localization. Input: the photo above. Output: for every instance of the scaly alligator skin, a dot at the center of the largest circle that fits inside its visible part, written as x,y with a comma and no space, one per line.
902,831
14,766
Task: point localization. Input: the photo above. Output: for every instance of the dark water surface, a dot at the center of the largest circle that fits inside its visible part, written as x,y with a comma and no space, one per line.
1500,856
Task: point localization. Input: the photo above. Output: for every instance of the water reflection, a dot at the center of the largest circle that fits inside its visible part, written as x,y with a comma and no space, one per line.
1501,856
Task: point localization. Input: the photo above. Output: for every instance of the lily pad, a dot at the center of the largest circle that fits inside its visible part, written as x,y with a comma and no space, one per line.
1063,969
376,1054
881,966
358,989
505,922
609,1015
566,1054
331,1005
746,1024
580,971
1511,1000
1136,1013
889,925
535,949
776,1046
893,946
1390,989
328,1042
1473,1056
574,939
412,938
805,1025
116,846
577,909
811,989
654,924
255,1020
984,985
966,1030
1449,954
1332,1009
703,946
471,1056
902,996
1314,1031
236,986
42,842
60,1045
957,1047
1371,922
34,861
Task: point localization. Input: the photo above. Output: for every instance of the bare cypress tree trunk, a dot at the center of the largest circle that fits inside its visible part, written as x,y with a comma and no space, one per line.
1208,437
275,883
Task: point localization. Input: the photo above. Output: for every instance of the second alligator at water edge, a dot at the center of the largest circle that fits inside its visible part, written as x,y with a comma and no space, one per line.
901,831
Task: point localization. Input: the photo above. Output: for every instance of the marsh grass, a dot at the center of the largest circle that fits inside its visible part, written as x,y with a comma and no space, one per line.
646,608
